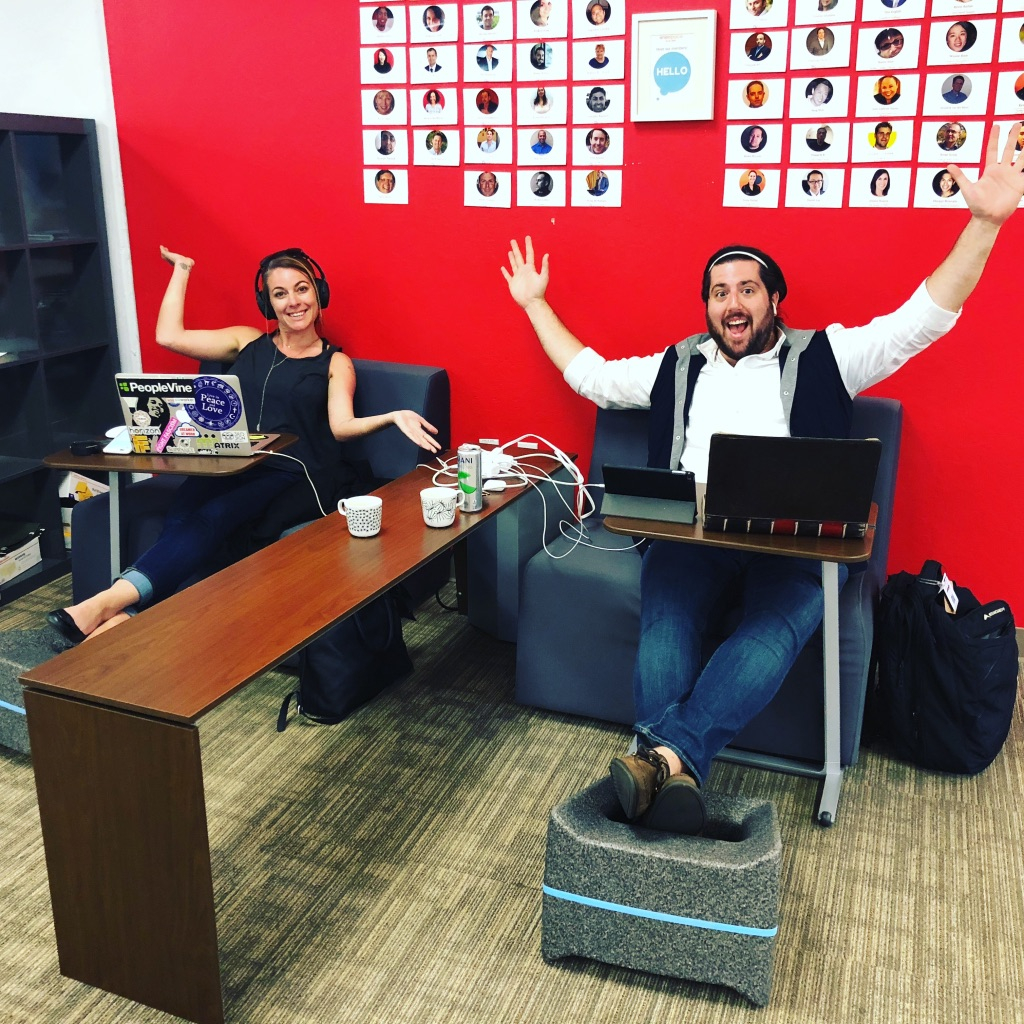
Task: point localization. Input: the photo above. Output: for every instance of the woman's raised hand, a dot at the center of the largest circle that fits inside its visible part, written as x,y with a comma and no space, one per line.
176,260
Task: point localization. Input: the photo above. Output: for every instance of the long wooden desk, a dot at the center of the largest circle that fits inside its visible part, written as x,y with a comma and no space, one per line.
116,748
830,552
118,466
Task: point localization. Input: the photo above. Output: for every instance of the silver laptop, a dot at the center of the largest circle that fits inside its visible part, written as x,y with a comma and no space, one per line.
186,414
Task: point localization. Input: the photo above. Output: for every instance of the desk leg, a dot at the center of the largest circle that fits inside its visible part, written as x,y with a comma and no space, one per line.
123,817
833,771
114,514
460,555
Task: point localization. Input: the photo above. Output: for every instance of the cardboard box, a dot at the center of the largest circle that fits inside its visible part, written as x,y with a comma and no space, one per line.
16,561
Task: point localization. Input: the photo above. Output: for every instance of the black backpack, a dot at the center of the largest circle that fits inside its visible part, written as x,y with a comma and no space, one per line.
946,683
352,662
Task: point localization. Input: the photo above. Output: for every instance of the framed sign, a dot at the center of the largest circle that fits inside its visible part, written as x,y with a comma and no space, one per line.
673,66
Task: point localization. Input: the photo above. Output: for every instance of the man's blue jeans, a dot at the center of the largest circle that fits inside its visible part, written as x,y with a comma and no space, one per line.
694,712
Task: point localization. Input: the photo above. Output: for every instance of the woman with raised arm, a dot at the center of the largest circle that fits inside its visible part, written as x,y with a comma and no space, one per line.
292,381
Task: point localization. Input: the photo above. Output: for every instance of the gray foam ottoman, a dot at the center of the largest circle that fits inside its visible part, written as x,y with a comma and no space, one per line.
702,908
21,649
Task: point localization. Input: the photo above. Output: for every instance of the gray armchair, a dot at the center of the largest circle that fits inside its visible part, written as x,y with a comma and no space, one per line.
579,616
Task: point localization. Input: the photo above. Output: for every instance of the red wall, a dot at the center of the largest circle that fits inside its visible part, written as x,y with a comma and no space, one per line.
240,134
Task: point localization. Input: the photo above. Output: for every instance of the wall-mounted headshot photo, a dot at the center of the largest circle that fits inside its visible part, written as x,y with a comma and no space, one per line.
382,19
599,12
828,5
756,8
540,13
889,43
819,41
882,136
488,140
755,94
752,182
597,183
944,186
433,101
383,62
956,89
951,136
597,100
487,183
540,143
754,138
880,182
1018,87
879,186
888,90
961,36
384,102
487,58
541,56
598,141
599,61
433,18
486,19
385,143
541,101
819,139
819,92
437,143
541,184
384,181
487,101
814,184
758,46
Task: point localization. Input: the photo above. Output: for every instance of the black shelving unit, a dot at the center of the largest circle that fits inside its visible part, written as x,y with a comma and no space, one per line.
58,343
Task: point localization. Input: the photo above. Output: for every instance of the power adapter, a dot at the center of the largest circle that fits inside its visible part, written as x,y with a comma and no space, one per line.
495,463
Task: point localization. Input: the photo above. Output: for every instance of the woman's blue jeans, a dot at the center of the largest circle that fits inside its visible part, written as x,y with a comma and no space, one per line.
697,712
203,514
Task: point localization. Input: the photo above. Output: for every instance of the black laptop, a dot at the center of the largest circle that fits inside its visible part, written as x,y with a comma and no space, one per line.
640,492
803,486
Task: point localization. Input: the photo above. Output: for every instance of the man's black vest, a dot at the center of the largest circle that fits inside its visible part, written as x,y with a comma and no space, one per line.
819,407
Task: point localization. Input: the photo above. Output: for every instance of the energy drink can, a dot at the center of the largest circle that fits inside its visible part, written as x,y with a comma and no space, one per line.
471,476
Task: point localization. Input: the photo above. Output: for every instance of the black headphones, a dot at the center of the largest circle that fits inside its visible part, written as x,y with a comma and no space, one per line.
316,275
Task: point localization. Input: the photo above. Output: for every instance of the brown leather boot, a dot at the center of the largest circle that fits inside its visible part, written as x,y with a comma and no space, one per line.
637,779
678,806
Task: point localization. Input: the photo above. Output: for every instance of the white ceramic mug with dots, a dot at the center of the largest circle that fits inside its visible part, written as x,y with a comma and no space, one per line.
364,514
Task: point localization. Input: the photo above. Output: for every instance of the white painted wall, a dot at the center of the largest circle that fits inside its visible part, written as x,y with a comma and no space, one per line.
53,60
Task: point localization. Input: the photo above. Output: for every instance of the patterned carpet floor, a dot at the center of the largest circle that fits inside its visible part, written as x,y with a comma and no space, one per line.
388,869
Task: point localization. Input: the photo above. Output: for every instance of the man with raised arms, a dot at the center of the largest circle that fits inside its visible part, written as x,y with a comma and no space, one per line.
743,376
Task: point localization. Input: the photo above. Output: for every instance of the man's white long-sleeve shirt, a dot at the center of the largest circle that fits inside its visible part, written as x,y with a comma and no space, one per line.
744,398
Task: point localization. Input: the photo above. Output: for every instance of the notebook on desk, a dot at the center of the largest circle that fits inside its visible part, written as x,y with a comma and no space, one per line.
186,414
642,492
802,486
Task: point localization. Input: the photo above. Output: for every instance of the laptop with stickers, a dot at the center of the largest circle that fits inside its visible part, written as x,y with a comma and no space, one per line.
186,414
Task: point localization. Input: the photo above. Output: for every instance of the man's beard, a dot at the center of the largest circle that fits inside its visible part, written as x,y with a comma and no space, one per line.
761,339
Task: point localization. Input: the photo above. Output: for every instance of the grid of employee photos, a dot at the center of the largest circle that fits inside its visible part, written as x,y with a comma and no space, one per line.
864,102
525,98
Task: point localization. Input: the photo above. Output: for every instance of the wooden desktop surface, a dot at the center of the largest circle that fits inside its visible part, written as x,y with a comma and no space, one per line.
179,465
187,653
823,549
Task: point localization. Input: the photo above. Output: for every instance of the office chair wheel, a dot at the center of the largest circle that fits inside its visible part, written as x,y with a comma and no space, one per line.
825,819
